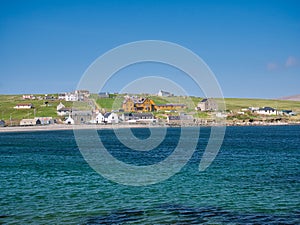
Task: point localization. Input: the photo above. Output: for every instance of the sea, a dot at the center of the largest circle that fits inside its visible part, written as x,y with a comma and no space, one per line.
254,179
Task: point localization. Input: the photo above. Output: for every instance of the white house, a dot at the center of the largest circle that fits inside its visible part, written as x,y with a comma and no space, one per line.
64,111
28,97
71,97
267,111
24,106
164,93
99,118
69,120
111,117
60,106
62,96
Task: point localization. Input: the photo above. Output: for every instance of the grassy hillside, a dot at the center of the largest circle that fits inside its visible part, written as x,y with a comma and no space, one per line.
235,104
7,102
232,104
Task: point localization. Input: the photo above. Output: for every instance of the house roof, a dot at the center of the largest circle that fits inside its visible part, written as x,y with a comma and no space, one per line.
106,115
135,100
174,117
25,104
164,92
30,120
65,109
127,114
171,104
81,113
142,114
267,108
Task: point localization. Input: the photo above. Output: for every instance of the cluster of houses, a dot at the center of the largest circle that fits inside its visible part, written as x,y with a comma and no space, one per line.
208,104
134,109
268,111
78,95
37,121
144,104
33,97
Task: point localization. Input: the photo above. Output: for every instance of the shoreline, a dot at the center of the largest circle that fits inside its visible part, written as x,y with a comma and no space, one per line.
62,127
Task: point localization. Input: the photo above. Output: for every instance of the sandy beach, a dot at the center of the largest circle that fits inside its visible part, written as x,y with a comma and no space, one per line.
57,127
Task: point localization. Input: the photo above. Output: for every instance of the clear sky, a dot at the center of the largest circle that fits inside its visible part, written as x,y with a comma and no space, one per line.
253,47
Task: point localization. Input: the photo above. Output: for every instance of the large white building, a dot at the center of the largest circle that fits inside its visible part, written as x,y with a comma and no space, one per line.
267,111
71,97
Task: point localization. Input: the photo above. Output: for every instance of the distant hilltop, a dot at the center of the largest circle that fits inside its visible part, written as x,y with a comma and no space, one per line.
291,98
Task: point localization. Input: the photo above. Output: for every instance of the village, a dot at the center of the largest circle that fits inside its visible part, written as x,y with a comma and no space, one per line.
162,109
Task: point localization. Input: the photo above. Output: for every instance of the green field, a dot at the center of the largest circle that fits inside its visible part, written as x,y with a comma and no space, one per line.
235,104
232,104
7,103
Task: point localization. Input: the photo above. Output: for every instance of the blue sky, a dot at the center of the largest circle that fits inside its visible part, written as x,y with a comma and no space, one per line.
253,47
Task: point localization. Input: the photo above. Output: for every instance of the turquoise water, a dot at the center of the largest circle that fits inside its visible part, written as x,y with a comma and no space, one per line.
255,179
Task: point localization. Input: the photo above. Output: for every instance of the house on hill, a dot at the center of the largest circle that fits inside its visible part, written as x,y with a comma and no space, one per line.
131,104
31,97
207,104
60,106
71,97
103,95
162,93
24,106
64,111
62,96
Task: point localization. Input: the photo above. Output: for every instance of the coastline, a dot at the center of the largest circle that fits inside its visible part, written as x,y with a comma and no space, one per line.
61,127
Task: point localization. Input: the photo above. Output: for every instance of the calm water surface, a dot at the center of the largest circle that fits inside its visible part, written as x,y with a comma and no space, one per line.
255,179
